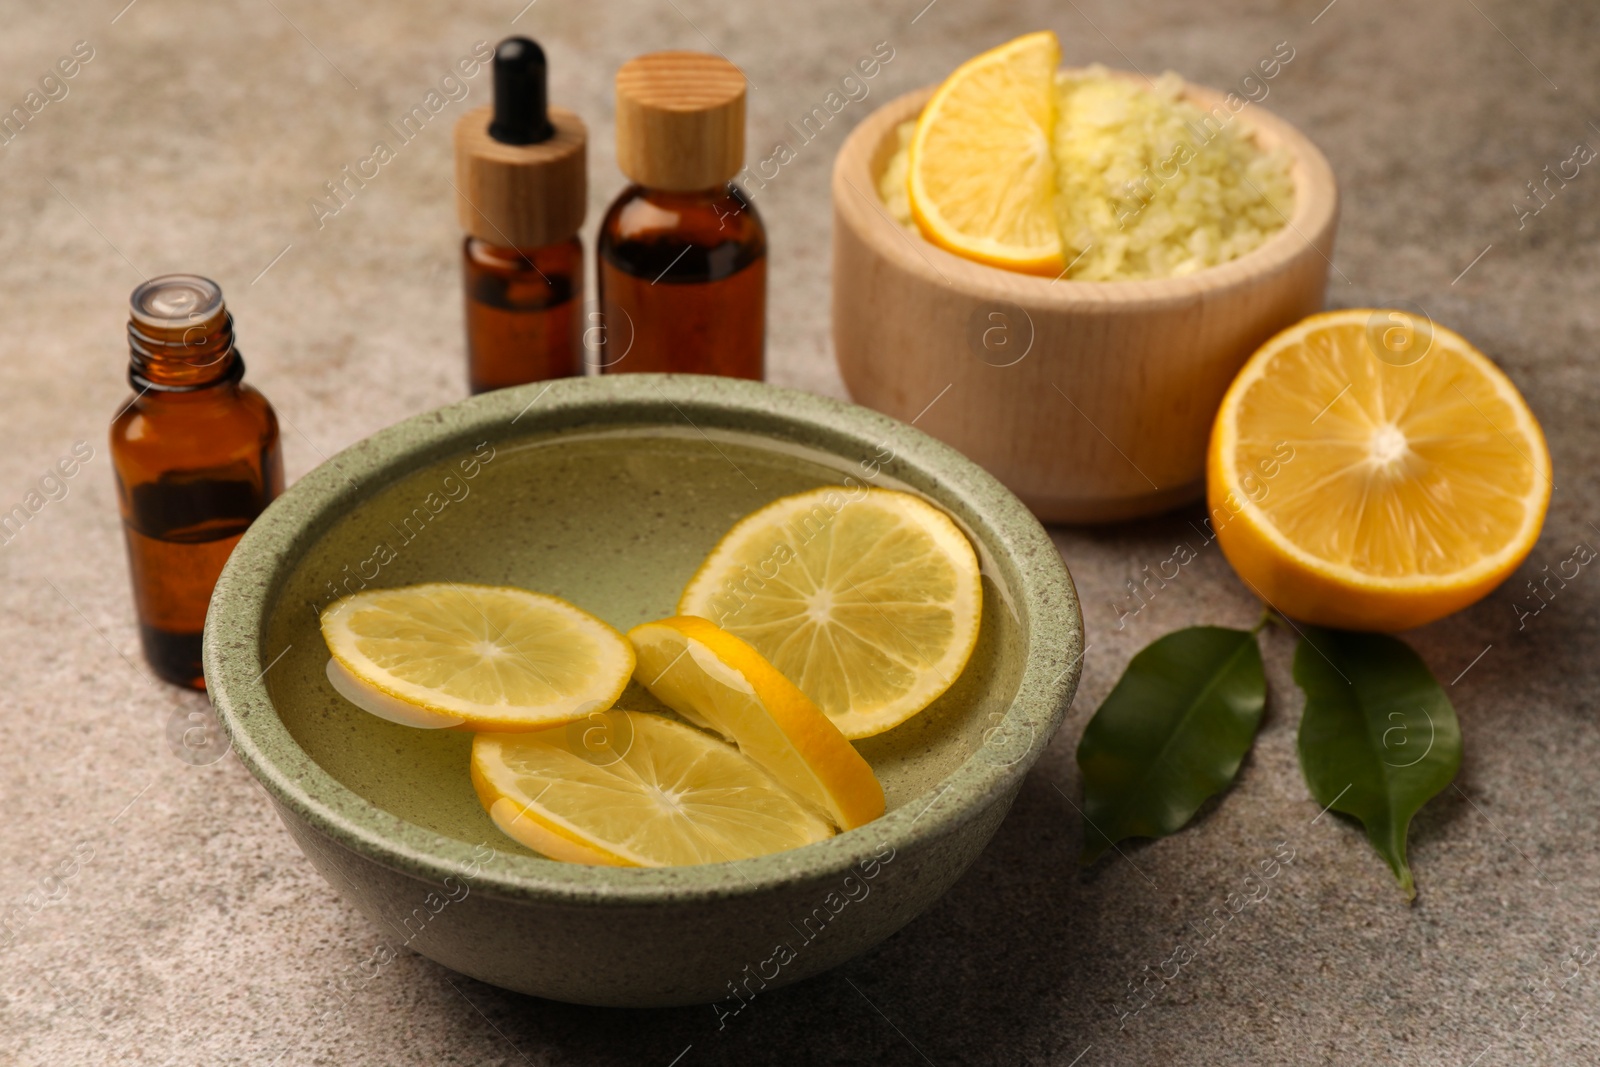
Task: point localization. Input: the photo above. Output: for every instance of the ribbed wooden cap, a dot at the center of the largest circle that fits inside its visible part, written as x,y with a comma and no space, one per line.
521,195
680,120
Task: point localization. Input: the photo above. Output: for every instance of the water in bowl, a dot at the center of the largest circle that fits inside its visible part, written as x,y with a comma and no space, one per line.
615,522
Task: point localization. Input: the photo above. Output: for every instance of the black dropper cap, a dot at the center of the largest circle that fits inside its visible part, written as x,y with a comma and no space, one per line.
521,100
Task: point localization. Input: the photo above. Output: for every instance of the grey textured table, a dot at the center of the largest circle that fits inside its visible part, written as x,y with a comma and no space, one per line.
185,928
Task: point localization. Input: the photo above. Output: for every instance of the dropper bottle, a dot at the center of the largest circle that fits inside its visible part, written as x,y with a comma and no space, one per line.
521,192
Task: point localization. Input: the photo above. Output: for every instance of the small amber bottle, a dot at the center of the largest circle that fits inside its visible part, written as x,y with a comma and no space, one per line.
682,252
196,457
521,193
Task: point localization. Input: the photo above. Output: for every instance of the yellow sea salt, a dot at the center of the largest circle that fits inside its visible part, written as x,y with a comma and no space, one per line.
1148,184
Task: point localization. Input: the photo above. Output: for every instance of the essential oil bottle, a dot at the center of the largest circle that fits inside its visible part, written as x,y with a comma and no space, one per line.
196,457
682,251
522,189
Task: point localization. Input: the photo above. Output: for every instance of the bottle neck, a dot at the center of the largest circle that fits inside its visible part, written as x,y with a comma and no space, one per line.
481,248
184,357
687,197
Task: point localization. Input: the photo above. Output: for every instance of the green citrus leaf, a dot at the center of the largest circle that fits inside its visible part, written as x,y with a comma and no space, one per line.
1171,734
1378,737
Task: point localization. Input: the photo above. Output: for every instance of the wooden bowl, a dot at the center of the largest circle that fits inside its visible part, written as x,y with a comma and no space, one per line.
1092,401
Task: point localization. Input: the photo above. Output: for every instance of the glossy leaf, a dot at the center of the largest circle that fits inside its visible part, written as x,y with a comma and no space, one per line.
1378,737
1171,734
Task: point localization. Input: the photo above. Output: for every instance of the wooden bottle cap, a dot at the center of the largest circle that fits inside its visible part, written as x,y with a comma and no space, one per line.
521,195
680,120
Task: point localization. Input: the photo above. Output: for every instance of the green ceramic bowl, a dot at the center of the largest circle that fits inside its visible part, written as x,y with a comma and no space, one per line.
608,492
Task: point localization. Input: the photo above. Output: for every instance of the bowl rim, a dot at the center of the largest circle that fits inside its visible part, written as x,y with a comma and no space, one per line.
1309,226
236,659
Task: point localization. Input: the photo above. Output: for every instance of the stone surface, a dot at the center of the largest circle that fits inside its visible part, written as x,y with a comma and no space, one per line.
162,916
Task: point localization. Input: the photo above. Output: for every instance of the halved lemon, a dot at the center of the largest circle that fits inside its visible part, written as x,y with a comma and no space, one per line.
867,599
715,680
630,789
982,178
1371,470
480,657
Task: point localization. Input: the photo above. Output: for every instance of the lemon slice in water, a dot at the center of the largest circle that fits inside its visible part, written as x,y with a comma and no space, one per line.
479,657
868,600
710,677
629,789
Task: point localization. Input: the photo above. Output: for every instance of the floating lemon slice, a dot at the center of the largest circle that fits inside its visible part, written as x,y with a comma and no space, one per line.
473,656
715,680
634,790
867,599
981,177
1373,471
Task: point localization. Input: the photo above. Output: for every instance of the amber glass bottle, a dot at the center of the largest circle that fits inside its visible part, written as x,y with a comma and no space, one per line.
523,313
196,458
522,189
682,251
688,271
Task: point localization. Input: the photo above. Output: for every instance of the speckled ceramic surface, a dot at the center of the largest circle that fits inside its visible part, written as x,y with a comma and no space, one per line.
609,492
